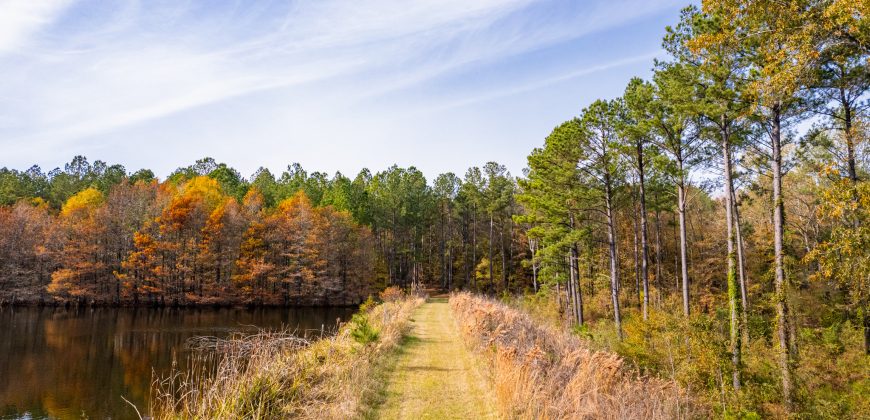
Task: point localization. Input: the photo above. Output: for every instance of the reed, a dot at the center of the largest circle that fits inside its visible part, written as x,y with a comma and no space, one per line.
539,371
279,375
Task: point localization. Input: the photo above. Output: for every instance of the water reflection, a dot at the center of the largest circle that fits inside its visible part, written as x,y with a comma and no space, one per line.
70,363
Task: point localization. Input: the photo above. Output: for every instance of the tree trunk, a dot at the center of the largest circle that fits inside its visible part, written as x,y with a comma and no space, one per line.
780,285
504,277
474,247
863,315
491,278
507,259
575,279
532,249
637,290
684,266
644,239
465,265
850,143
731,275
443,256
611,245
569,289
741,269
659,255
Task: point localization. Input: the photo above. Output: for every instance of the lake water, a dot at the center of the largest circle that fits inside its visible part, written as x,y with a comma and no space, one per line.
78,363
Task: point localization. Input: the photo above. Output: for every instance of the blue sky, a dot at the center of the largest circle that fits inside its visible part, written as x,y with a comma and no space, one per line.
334,85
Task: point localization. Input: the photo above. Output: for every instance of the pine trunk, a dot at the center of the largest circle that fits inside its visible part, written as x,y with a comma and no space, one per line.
741,270
644,239
611,245
578,288
780,285
684,252
731,274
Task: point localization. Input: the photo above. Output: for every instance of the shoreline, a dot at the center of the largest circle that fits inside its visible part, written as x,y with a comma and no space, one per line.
18,303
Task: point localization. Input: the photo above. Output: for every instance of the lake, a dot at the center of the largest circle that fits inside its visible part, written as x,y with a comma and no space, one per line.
75,363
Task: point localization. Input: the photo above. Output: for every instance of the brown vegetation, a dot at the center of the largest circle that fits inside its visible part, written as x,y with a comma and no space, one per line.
279,376
542,372
179,244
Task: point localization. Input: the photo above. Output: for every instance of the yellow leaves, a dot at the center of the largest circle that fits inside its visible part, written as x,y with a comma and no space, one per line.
200,193
203,188
481,271
829,170
298,201
60,281
144,242
253,200
39,203
82,203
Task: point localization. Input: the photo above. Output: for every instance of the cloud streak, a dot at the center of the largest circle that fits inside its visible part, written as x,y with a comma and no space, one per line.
74,73
21,19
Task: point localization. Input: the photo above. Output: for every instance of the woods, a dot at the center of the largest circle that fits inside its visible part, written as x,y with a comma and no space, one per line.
92,233
720,135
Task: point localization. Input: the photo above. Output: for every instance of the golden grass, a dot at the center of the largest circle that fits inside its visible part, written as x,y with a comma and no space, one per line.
274,376
542,372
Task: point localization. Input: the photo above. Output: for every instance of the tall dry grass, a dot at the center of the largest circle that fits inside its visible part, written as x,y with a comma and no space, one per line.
542,372
276,375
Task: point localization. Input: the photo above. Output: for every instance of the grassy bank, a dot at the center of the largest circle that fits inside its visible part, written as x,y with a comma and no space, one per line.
279,376
541,371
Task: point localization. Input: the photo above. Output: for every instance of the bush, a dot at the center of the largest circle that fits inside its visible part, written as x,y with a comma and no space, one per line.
361,331
392,294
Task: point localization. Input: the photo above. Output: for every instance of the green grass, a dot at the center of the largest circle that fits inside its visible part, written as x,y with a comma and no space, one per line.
435,376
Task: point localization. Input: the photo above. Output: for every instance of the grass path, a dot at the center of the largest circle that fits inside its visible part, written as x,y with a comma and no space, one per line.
435,376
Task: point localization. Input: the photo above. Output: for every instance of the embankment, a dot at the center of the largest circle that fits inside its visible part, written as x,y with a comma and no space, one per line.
542,372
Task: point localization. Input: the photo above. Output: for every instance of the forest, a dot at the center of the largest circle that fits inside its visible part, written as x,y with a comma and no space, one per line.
92,233
710,224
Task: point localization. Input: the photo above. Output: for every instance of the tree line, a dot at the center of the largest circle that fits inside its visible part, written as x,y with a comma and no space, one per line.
765,212
93,233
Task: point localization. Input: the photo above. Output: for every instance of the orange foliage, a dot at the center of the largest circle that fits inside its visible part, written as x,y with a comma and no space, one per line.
187,243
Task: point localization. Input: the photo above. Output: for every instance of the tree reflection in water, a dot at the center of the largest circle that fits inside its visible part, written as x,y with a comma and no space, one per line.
63,363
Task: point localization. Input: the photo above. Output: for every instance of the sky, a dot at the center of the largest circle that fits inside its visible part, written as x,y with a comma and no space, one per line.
334,85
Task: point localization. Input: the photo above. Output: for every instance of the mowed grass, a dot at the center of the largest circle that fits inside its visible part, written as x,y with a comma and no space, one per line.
435,375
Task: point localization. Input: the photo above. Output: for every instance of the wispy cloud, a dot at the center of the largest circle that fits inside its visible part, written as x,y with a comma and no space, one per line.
548,81
21,19
71,71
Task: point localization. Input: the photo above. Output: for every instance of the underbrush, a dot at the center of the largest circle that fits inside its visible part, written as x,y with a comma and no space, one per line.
831,369
541,371
276,375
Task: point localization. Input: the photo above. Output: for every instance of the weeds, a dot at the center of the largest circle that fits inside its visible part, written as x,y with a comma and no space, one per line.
542,372
276,375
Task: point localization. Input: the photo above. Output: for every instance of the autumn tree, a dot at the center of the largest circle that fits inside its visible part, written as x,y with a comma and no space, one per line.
81,264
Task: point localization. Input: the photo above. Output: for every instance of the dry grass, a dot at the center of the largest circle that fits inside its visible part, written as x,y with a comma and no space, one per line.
278,376
541,372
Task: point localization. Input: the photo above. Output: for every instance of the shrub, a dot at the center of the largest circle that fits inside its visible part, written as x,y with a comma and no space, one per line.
361,331
392,294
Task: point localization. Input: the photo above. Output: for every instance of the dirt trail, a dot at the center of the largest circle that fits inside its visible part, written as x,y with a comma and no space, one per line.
436,377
